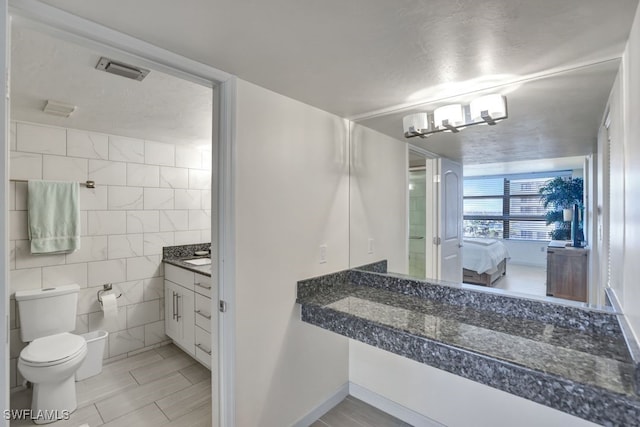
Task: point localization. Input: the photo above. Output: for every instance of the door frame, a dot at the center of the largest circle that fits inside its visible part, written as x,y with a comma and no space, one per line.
84,32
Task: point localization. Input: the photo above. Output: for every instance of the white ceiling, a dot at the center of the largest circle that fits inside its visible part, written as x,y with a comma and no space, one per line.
161,107
358,57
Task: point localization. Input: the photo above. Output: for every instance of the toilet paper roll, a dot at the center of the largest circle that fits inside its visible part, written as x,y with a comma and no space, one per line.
109,306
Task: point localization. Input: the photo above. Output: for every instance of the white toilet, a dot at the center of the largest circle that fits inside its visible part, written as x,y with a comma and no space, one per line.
53,355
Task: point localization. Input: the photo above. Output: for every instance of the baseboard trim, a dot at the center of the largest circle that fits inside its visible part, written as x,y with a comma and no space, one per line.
390,407
331,401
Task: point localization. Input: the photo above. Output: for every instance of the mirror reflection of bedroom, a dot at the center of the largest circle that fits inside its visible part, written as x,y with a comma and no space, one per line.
517,219
538,187
514,219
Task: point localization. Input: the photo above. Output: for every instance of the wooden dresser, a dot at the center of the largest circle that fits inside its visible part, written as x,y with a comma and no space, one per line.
567,273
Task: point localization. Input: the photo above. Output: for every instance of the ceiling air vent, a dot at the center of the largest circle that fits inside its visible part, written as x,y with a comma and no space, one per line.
121,69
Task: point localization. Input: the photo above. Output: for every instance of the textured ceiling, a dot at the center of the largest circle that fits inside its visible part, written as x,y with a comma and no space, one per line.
358,56
361,57
160,108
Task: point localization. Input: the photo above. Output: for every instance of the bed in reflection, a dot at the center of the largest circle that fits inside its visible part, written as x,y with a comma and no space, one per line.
484,261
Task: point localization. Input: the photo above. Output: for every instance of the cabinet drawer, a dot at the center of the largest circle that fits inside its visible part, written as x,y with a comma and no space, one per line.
202,284
203,346
203,312
179,275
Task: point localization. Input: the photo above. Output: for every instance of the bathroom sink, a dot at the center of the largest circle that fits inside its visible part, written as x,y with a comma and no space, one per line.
199,261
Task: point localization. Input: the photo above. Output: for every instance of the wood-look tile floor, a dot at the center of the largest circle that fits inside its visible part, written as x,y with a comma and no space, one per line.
166,387
352,412
160,387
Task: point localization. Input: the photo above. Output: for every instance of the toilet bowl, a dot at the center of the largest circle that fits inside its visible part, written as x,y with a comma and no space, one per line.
50,364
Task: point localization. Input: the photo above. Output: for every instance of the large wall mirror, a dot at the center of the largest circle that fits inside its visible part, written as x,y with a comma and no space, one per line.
398,211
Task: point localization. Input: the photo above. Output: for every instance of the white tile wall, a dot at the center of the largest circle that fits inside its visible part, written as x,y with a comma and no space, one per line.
199,179
92,198
188,199
143,221
65,275
158,198
106,222
125,246
153,288
87,144
60,168
185,237
154,242
158,153
174,177
174,220
126,198
41,139
148,195
143,175
101,272
199,219
187,157
25,165
12,136
18,225
126,149
108,173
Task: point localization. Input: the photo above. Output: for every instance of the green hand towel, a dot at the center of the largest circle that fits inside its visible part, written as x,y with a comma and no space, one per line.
54,216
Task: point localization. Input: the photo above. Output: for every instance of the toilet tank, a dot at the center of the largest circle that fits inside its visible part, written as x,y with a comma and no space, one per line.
47,311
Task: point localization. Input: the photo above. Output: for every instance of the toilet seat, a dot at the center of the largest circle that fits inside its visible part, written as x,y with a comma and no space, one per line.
53,350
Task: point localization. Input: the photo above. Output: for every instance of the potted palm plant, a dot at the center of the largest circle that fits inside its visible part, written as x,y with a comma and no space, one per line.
559,195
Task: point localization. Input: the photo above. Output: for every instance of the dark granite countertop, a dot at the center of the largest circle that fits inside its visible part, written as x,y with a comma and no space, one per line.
586,370
177,255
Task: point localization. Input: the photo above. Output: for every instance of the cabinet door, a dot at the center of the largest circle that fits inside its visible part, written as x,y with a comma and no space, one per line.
179,316
171,325
186,318
567,274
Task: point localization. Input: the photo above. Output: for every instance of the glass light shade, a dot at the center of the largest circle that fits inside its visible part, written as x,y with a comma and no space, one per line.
453,113
567,214
494,104
419,122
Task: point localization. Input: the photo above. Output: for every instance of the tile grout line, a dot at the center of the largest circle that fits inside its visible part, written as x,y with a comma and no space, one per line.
155,402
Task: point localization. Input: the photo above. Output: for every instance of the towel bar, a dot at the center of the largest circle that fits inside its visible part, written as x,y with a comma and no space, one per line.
88,184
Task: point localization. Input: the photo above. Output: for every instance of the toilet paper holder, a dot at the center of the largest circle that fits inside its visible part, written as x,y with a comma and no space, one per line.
104,289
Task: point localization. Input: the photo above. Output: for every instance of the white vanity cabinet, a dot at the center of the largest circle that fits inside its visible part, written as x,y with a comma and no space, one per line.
189,320
204,318
179,315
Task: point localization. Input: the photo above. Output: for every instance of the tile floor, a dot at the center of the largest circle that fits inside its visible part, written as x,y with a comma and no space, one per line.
524,279
160,387
165,387
352,412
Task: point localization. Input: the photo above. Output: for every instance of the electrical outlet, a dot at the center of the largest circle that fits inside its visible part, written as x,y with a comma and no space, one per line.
370,246
323,254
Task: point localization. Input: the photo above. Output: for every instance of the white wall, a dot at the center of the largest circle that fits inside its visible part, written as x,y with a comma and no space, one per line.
446,398
631,103
379,206
527,252
148,195
292,195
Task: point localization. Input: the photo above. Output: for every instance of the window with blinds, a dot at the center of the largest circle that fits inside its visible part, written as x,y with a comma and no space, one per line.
507,206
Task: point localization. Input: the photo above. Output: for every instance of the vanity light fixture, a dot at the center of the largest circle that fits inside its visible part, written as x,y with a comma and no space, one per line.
416,124
488,109
448,118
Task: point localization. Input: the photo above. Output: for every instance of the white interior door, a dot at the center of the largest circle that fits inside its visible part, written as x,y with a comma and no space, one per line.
450,221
